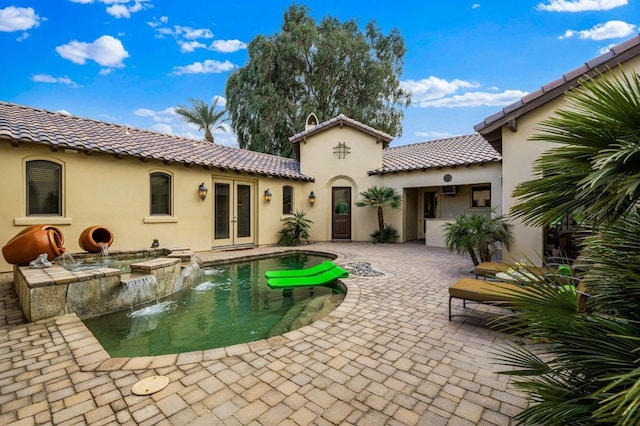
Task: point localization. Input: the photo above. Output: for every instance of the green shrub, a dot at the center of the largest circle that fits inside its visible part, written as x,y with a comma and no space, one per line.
295,230
389,235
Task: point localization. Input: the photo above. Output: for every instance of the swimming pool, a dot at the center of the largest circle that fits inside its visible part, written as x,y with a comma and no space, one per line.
228,304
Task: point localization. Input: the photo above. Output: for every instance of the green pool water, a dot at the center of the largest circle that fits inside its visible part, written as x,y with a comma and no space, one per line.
228,304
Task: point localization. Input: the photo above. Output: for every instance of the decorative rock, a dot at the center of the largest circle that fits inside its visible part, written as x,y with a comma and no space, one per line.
40,262
362,269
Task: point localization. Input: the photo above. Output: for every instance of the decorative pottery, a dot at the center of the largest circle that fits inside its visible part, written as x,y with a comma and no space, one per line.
95,238
33,241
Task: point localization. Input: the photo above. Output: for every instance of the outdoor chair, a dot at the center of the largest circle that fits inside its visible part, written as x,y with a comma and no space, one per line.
490,269
499,293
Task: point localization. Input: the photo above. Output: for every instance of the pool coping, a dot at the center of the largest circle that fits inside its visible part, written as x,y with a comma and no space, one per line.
91,356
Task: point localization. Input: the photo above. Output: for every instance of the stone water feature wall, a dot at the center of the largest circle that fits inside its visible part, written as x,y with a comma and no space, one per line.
49,292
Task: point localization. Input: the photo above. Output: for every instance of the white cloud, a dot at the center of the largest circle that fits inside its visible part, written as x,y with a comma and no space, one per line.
119,11
219,101
105,71
433,135
180,31
475,6
227,46
18,19
434,92
167,115
162,128
120,8
607,48
476,99
46,78
580,5
190,46
158,21
434,87
208,66
610,29
105,50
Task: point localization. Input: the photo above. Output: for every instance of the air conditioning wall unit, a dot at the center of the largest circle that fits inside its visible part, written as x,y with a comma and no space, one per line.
449,190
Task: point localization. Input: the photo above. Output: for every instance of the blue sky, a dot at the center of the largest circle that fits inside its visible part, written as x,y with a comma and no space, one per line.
132,61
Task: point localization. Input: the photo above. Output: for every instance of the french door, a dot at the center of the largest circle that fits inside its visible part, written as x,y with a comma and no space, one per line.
233,212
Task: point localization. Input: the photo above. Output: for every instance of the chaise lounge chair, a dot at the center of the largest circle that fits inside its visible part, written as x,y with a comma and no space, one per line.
481,291
490,269
496,292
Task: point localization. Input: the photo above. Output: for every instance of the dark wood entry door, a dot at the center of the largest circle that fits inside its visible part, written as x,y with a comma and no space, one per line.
341,213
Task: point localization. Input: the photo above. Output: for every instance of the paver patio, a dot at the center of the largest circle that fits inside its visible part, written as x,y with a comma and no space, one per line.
387,355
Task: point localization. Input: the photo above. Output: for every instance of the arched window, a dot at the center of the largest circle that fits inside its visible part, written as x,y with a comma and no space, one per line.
160,193
287,199
44,188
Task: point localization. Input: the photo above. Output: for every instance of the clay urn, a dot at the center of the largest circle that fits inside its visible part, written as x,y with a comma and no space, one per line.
32,241
95,238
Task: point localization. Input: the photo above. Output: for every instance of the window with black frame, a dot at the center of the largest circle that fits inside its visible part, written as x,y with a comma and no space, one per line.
287,199
160,194
44,188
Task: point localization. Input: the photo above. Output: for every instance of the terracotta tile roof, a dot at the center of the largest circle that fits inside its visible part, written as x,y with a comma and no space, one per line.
29,125
490,126
342,120
455,151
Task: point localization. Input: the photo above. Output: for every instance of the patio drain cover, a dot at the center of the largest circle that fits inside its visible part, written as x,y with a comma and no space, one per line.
150,385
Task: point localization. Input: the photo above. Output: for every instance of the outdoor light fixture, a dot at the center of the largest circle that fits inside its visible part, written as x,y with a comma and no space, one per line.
202,191
312,199
267,196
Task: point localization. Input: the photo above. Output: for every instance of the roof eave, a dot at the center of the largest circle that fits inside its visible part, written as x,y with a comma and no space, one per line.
121,154
491,127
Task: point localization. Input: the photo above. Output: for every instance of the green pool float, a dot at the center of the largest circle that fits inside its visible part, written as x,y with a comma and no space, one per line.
306,272
309,281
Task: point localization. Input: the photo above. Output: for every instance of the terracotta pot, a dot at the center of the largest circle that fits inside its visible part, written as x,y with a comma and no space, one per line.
32,241
94,238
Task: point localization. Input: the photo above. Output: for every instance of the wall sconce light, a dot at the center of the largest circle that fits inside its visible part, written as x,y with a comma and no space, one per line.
267,196
202,191
312,199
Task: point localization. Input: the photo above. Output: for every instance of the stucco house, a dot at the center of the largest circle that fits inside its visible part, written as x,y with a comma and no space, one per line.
76,172
509,131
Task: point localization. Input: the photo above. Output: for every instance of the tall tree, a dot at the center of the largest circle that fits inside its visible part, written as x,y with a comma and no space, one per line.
329,68
204,116
584,368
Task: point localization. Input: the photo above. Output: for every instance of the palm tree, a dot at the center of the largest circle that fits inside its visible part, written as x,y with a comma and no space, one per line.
584,368
479,235
378,198
295,230
203,116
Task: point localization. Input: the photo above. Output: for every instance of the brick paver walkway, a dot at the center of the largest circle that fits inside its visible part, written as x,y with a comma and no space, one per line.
387,355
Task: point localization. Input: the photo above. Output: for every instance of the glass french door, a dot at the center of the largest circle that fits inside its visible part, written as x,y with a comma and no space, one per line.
233,212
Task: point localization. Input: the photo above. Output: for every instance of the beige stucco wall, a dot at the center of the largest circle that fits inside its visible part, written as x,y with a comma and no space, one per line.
99,189
518,155
449,207
319,161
